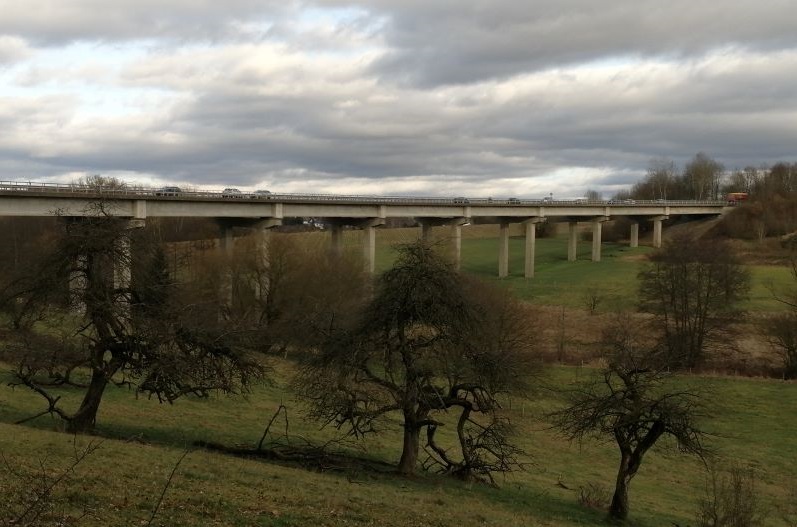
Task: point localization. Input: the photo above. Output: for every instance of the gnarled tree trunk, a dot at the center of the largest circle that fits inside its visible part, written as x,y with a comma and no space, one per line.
409,452
618,510
630,461
83,420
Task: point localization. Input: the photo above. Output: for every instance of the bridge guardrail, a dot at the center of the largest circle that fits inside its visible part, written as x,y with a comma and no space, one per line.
140,191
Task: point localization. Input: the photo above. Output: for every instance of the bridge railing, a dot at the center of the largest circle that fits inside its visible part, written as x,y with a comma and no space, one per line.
140,191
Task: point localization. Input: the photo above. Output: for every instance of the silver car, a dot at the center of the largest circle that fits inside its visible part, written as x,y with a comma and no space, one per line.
231,193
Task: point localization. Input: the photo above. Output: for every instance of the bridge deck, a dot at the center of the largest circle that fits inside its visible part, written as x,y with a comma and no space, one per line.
40,199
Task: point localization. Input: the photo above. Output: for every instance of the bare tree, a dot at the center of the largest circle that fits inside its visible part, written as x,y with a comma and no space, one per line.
661,177
780,329
100,183
703,176
592,298
693,287
731,499
35,498
427,342
740,181
131,331
593,195
309,291
633,403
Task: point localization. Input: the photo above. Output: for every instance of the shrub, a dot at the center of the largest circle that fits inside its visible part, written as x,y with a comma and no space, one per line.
593,495
617,230
731,499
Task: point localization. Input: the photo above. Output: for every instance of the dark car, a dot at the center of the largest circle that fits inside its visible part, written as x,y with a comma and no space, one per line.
261,194
168,191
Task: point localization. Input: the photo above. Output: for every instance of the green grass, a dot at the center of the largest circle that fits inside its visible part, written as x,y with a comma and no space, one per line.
754,425
754,422
766,281
562,283
557,281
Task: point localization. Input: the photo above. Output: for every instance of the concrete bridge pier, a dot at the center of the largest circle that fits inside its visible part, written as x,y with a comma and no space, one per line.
262,230
572,241
369,241
597,224
634,236
428,223
456,224
227,246
77,285
456,241
657,230
336,239
121,271
368,226
426,231
369,248
503,250
263,246
531,242
123,262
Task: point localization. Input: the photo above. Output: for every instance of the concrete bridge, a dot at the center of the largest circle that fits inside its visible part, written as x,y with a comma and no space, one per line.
263,211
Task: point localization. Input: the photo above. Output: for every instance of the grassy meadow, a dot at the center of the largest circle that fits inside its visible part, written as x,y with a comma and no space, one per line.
752,421
562,283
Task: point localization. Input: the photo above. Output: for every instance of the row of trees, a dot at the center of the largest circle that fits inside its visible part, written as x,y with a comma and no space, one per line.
700,179
704,178
779,179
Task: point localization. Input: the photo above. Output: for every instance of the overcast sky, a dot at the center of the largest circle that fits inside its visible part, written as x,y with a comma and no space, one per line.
423,97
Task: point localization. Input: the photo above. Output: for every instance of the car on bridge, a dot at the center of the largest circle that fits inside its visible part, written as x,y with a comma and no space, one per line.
168,191
261,194
231,193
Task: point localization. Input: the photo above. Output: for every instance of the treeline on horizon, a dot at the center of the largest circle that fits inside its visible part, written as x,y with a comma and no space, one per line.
771,208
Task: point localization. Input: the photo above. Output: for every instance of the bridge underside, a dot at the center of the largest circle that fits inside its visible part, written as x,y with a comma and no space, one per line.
264,213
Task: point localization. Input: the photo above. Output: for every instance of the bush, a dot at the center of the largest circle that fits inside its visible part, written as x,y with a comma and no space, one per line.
731,499
769,215
593,495
781,332
546,229
618,230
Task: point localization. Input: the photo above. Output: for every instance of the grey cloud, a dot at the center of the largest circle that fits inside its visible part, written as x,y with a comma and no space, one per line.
480,115
12,50
46,22
228,131
434,43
